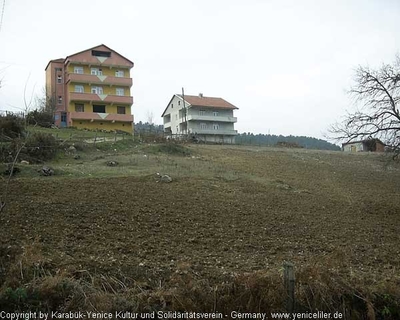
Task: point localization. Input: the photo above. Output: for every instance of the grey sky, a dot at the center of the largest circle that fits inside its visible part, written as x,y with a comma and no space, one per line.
285,64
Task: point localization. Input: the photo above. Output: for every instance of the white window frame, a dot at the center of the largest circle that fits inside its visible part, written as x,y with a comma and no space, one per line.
78,70
120,73
203,125
97,90
202,112
79,88
59,79
120,91
215,126
96,72
215,113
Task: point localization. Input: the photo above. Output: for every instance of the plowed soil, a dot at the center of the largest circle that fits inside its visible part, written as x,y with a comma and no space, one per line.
267,206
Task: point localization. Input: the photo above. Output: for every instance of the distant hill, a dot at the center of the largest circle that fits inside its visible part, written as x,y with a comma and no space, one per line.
272,140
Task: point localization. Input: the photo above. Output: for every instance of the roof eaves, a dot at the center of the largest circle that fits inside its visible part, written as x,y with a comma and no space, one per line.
97,47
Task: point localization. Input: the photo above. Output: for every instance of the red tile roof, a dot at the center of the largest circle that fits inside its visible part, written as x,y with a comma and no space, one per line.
211,102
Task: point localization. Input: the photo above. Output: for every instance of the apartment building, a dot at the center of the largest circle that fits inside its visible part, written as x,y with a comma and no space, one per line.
91,89
208,119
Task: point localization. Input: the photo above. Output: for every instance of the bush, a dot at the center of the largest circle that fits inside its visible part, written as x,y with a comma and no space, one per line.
171,148
40,118
11,126
40,147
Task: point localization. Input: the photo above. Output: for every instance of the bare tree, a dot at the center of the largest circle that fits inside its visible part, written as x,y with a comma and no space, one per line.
376,94
45,103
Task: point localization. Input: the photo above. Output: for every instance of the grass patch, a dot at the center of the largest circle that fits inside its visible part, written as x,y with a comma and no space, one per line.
170,148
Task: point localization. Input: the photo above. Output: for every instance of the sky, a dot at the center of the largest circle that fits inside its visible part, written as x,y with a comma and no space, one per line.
287,65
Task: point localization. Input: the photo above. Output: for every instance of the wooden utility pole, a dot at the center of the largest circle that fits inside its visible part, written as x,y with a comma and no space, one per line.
185,111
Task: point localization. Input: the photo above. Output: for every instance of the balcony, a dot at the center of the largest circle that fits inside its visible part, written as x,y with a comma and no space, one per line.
215,132
92,97
105,80
92,116
167,124
211,118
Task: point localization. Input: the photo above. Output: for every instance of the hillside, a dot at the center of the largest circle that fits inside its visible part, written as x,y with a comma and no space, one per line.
112,238
272,140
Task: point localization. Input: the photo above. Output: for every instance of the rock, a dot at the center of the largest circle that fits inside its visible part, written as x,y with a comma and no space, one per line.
163,178
24,162
112,163
46,171
72,149
77,157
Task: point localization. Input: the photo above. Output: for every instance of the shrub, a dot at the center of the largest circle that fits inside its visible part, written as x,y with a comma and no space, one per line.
11,126
40,147
171,148
40,118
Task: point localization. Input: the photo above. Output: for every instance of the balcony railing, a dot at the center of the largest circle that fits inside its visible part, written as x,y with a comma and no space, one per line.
167,124
211,118
92,116
92,97
215,132
92,79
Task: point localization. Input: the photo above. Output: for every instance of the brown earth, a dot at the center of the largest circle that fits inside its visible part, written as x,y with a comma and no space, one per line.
267,206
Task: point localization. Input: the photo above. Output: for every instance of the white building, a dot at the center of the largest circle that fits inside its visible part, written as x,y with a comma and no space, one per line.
206,118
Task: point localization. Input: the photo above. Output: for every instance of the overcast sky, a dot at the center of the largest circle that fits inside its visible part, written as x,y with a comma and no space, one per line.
285,64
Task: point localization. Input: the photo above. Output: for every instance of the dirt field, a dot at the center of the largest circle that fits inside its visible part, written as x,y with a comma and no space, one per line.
228,211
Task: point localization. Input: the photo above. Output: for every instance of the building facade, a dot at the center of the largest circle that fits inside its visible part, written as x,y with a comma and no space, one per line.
91,89
369,145
207,119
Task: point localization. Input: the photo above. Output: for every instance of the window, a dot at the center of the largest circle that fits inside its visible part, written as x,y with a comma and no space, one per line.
99,108
59,79
59,100
79,89
177,129
120,91
172,105
97,90
121,110
176,116
215,113
202,112
119,73
216,126
179,103
79,107
63,117
96,72
98,53
203,125
78,70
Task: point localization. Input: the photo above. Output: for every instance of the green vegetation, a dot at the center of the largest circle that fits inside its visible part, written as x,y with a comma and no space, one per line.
272,140
11,126
171,148
40,118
